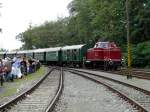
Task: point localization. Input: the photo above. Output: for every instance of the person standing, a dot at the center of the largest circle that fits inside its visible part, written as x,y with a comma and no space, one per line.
24,66
7,69
17,67
30,65
1,71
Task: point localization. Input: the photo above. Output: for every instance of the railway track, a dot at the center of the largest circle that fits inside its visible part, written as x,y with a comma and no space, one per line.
138,73
143,74
139,98
41,97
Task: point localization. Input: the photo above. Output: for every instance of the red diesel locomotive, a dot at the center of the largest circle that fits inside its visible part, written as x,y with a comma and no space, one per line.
104,54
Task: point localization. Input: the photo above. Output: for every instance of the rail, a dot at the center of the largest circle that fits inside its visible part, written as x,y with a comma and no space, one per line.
122,95
56,97
24,94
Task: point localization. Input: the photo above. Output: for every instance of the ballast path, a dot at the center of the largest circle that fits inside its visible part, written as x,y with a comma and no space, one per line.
82,95
140,97
41,97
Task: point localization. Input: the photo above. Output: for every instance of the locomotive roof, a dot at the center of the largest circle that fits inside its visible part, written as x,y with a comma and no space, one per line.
105,45
73,47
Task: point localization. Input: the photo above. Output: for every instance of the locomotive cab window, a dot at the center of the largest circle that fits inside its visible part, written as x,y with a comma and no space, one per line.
101,45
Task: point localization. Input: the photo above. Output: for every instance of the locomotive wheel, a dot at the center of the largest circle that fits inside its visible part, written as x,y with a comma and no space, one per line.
105,66
115,68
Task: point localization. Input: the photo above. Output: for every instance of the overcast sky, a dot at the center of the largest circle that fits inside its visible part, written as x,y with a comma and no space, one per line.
17,14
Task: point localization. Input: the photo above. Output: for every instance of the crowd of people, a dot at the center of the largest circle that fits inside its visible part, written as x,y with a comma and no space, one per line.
17,67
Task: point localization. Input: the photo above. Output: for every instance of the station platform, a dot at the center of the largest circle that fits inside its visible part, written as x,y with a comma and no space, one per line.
141,83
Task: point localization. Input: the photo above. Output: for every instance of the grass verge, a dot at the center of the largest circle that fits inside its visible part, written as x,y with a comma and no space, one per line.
10,88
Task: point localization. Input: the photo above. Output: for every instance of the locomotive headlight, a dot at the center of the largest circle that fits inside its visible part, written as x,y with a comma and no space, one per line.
88,61
111,62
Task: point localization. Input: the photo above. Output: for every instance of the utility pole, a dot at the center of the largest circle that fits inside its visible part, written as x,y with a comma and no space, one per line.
0,16
129,75
1,28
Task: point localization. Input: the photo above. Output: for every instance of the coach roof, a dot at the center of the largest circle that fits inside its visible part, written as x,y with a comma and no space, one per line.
52,49
25,51
47,50
2,52
73,47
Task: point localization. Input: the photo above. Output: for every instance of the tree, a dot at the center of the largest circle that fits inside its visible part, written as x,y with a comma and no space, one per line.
140,20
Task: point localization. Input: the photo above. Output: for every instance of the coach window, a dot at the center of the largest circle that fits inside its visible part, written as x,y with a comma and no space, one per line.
75,54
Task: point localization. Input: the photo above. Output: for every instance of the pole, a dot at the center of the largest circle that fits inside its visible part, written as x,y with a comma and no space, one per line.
1,46
129,75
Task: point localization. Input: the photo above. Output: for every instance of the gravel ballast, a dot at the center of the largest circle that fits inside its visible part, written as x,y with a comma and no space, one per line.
82,95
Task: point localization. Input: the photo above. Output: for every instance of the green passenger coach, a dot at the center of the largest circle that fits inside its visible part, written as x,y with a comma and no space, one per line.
39,54
11,54
26,53
73,55
53,55
29,53
2,55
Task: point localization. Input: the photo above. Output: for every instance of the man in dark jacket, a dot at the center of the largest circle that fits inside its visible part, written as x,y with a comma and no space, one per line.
24,66
1,71
7,69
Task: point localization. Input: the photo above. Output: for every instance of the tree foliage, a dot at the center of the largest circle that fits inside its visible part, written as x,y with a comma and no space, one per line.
90,20
140,20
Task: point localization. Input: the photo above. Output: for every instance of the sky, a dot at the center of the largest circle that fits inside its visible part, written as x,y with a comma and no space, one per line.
16,15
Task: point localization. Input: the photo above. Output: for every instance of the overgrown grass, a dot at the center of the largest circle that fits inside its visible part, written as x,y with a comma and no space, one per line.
10,88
